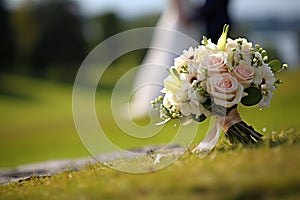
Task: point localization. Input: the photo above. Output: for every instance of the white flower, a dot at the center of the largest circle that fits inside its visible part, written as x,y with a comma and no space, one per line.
194,73
238,49
190,107
170,99
240,43
231,44
211,47
189,100
265,101
225,89
264,76
195,96
185,58
200,51
246,46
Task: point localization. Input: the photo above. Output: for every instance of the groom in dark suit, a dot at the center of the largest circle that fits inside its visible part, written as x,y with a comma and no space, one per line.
215,14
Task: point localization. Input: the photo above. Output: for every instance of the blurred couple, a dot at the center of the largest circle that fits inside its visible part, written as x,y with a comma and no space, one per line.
186,17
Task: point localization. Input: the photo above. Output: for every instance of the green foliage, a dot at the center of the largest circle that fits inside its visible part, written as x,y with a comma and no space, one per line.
53,37
61,41
254,96
266,171
7,41
275,65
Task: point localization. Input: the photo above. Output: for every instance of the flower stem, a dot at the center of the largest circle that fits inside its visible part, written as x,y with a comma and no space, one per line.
243,133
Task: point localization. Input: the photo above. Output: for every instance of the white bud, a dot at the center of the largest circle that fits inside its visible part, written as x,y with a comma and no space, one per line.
263,86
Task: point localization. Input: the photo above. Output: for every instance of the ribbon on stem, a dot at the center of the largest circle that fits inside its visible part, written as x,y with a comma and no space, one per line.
212,137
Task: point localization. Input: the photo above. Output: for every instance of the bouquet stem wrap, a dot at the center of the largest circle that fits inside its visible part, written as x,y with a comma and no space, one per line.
229,120
238,131
235,130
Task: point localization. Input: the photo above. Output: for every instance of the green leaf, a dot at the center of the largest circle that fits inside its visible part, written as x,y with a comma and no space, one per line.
275,65
207,104
176,73
254,96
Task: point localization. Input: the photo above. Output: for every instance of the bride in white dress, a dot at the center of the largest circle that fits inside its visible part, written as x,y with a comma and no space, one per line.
152,72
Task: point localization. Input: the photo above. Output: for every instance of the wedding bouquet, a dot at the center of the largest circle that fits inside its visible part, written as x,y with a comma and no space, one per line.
211,80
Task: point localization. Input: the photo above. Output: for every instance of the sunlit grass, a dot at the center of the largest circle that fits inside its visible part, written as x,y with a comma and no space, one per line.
36,124
266,171
36,121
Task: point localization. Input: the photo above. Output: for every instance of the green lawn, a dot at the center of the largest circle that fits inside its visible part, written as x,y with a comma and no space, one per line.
36,119
268,171
36,124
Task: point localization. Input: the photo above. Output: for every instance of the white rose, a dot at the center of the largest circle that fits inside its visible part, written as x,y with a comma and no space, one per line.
214,63
225,89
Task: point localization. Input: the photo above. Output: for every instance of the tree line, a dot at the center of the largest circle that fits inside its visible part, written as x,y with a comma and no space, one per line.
51,38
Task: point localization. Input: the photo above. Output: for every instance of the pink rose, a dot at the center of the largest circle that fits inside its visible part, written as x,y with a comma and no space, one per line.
225,89
244,74
214,63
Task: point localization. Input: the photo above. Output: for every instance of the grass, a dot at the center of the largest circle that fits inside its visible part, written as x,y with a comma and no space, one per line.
36,121
36,124
267,171
36,118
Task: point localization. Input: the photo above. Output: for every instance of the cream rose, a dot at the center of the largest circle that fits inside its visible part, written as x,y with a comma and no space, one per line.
244,73
225,89
214,63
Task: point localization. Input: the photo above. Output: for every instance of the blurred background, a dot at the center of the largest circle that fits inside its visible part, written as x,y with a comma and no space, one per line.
43,43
